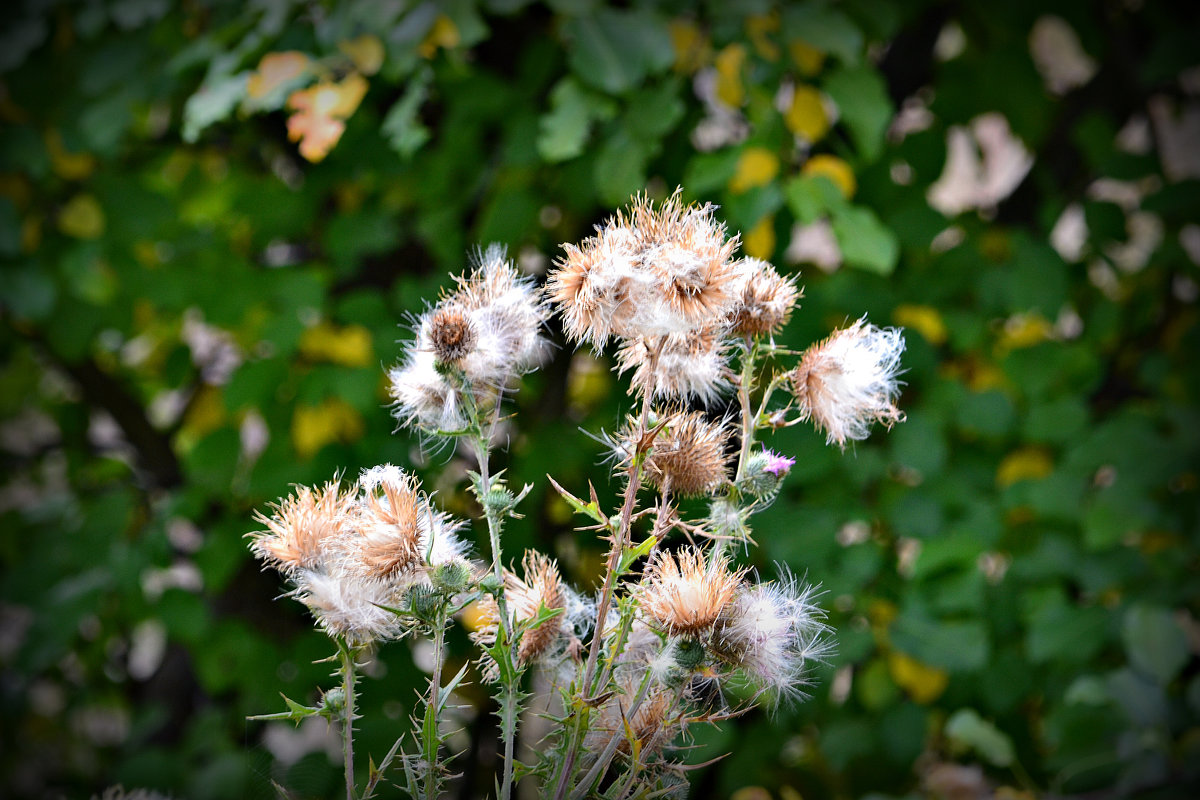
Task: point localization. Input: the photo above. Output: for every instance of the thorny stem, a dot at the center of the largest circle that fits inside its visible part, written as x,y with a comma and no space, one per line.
508,720
430,731
619,540
347,659
610,748
748,421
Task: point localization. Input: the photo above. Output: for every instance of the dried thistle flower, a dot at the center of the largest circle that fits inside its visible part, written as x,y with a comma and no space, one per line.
651,272
506,311
763,299
848,381
299,533
686,248
423,397
655,723
684,595
688,456
349,606
687,365
541,586
489,329
349,553
771,631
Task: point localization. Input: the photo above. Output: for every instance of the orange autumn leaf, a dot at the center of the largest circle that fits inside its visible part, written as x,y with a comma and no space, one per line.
276,70
320,111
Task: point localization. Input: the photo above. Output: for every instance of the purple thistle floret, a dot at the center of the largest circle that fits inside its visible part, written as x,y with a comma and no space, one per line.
776,464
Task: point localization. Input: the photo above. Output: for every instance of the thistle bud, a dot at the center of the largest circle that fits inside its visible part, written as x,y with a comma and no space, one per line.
764,475
451,577
498,501
728,520
424,602
333,701
689,653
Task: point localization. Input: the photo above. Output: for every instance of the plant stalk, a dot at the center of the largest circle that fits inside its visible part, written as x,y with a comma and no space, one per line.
620,538
347,658
429,735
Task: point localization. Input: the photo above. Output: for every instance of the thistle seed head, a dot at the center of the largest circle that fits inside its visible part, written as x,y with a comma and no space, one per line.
688,456
763,299
849,381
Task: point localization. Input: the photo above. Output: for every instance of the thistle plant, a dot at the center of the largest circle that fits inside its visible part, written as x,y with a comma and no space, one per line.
627,672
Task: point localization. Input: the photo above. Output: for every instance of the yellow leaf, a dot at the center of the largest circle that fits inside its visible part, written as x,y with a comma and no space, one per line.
1025,464
924,319
757,166
332,421
692,48
808,58
205,413
788,793
923,683
68,166
276,70
730,89
82,217
366,52
444,33
806,116
1023,330
758,28
349,346
760,241
833,168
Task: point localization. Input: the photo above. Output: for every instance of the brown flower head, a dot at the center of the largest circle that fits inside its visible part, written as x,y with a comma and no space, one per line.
764,299
686,249
684,595
592,283
450,333
389,541
650,272
688,456
305,525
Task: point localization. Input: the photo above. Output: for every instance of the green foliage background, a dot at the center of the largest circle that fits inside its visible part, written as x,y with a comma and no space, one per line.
1012,572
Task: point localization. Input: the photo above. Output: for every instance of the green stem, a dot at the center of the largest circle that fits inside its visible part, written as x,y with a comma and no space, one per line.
510,701
429,738
347,659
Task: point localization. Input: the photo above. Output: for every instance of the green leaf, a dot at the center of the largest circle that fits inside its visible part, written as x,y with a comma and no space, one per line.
1155,643
968,730
826,29
295,713
614,50
861,97
620,169
812,196
402,127
213,101
865,241
952,645
564,129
